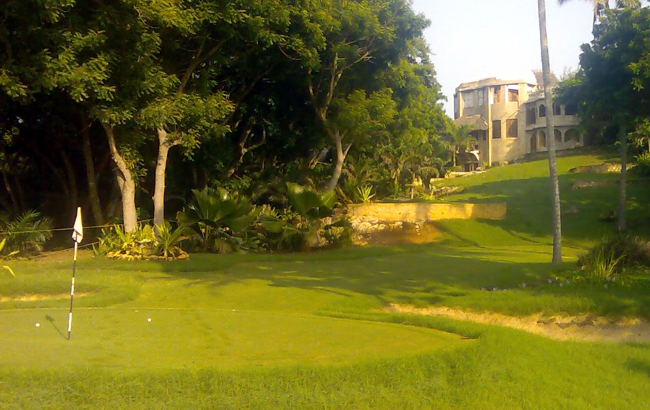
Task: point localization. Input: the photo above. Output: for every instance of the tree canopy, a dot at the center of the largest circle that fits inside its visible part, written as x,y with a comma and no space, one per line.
94,96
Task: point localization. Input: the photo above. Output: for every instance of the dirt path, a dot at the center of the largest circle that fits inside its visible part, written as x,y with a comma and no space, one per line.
578,328
33,298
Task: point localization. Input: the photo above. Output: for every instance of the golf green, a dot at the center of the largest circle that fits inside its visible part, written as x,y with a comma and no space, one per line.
194,339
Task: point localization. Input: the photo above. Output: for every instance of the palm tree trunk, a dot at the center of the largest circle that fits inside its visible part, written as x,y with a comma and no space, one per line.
552,166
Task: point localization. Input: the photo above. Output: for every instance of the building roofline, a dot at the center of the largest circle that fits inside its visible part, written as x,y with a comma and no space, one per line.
474,85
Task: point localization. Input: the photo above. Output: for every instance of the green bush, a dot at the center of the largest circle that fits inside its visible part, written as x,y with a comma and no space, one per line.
25,235
611,256
218,221
141,243
642,166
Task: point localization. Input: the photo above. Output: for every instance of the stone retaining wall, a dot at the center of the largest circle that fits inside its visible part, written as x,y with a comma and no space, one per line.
423,212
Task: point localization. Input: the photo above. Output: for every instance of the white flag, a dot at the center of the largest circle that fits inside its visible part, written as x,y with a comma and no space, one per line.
78,232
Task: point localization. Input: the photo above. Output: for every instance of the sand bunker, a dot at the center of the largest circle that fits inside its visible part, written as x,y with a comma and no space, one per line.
577,328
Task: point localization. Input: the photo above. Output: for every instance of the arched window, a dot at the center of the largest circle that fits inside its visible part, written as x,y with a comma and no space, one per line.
557,109
542,139
558,135
572,135
531,117
542,111
533,142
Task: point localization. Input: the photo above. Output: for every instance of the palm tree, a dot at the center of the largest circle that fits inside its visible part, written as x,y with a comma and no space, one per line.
461,138
552,166
600,5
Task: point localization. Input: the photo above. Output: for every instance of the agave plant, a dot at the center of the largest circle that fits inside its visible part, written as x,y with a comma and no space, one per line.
168,240
215,217
364,194
25,234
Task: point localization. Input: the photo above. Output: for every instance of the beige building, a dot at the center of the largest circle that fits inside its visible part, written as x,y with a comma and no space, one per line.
508,118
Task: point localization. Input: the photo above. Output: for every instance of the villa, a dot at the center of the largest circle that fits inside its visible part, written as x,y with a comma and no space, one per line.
509,120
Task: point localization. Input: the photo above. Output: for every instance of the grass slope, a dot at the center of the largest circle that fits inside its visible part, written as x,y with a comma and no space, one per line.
306,331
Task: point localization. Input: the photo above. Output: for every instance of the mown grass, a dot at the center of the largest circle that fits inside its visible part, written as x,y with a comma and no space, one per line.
308,331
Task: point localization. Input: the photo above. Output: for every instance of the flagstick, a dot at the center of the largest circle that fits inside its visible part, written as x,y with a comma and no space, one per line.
74,268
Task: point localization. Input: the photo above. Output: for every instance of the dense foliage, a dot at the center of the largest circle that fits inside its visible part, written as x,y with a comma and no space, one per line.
126,107
611,87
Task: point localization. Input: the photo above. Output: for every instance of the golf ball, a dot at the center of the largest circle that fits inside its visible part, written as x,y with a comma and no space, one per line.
148,319
38,325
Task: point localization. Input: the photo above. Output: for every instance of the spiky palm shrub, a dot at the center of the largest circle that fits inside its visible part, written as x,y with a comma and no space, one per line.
303,227
24,235
217,220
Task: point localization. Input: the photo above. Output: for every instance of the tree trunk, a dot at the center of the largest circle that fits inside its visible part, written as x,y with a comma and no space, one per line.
245,136
93,195
623,183
161,171
17,197
340,158
550,126
125,182
15,206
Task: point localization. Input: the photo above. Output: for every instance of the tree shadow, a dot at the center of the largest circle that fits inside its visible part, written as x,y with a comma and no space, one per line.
529,211
639,366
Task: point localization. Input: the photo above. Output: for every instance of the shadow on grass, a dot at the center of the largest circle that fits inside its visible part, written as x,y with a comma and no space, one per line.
529,212
639,366
52,320
423,275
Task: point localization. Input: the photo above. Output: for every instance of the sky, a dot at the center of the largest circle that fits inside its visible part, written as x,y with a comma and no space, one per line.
475,39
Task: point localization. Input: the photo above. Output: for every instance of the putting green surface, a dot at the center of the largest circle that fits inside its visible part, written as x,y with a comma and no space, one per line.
193,339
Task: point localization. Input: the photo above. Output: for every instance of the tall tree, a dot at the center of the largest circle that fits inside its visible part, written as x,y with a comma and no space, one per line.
611,86
552,166
358,41
601,5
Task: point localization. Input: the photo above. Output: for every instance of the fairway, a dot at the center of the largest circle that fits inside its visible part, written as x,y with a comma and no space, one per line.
195,339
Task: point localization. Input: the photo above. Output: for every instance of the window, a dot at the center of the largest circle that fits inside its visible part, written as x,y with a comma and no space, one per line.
468,97
513,93
512,130
497,94
481,97
557,109
531,116
558,135
533,142
572,135
570,109
542,111
496,129
542,139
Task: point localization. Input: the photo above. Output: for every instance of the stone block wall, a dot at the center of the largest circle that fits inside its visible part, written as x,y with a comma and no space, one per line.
423,212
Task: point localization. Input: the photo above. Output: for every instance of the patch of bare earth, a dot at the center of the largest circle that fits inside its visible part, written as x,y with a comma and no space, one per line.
36,298
576,328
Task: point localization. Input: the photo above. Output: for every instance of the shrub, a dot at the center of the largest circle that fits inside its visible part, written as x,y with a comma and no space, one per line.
642,166
24,235
141,243
217,220
364,194
610,256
